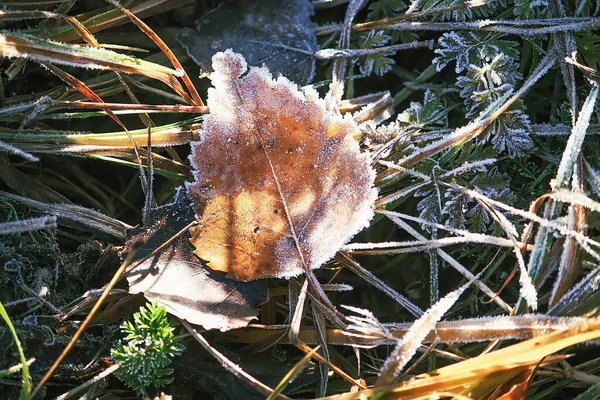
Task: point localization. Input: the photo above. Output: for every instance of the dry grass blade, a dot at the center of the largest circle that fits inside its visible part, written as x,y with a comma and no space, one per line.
76,214
365,274
18,152
87,92
14,45
410,342
196,100
131,108
455,264
109,17
583,299
527,291
462,331
328,54
77,391
83,89
485,373
294,330
74,22
563,177
97,143
571,257
450,178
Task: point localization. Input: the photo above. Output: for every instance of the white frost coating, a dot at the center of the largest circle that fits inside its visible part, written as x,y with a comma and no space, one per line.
415,336
228,64
575,198
27,225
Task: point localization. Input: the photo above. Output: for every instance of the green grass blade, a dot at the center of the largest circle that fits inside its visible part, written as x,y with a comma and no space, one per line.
26,389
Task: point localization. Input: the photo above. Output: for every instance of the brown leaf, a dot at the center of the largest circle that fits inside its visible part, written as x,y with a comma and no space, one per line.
280,182
175,278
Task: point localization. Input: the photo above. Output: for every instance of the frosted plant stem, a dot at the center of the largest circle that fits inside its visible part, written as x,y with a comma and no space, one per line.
18,152
77,214
565,45
456,265
321,329
414,6
563,176
227,363
97,378
336,89
298,313
434,272
27,225
514,27
328,54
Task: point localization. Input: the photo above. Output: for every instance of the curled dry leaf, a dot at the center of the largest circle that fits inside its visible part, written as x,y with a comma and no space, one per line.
280,181
175,278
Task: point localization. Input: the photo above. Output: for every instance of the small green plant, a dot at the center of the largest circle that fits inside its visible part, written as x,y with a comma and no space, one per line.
149,346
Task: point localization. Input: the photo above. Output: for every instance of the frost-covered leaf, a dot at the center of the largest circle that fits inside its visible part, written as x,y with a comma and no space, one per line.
280,181
455,209
490,182
374,39
177,279
471,152
485,83
467,48
277,33
478,219
432,113
510,132
379,63
430,205
460,14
